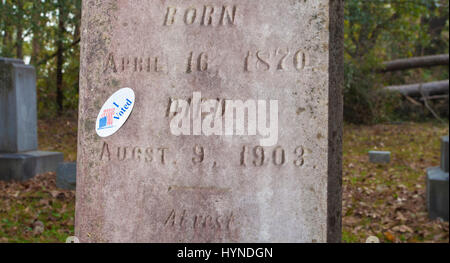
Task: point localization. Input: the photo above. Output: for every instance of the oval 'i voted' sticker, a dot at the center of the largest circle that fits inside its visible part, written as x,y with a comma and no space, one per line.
115,112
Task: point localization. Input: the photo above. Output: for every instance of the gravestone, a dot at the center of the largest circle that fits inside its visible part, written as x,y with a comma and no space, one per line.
66,176
19,157
438,186
380,157
444,154
192,63
18,122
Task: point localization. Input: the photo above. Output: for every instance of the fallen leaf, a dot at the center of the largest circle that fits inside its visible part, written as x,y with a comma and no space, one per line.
389,236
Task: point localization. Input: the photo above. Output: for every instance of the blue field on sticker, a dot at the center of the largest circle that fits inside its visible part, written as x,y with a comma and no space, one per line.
102,123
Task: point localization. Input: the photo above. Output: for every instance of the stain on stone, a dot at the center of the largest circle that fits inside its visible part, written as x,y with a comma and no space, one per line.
98,104
300,110
5,77
115,83
89,125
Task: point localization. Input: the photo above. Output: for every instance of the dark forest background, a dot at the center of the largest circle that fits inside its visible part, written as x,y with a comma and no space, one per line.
46,34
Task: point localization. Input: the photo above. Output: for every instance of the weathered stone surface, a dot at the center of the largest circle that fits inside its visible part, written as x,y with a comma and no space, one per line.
437,193
144,184
18,112
444,154
24,166
66,176
381,157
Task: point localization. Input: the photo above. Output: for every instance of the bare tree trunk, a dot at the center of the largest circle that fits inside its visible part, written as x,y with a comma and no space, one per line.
417,62
77,32
7,42
60,59
19,32
77,20
429,89
36,43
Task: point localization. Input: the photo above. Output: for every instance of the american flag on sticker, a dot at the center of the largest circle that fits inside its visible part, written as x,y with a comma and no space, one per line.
106,119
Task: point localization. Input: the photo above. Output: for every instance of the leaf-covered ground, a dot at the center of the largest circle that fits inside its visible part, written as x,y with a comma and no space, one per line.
35,211
387,201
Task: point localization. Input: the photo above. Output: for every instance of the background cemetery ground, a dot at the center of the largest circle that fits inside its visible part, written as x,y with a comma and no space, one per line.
383,200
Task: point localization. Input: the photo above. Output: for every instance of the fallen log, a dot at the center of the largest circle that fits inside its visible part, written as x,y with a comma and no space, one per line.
417,62
435,97
427,89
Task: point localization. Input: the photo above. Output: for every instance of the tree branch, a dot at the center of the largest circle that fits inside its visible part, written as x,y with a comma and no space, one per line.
47,58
